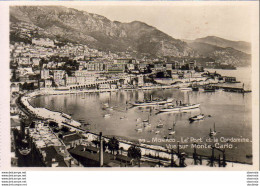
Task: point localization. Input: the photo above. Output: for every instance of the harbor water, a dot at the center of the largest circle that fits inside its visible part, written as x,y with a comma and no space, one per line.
113,114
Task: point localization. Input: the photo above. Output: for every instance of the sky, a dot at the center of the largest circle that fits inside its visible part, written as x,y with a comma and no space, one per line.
185,21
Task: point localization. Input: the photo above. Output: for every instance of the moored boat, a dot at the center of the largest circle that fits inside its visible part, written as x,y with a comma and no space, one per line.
139,130
186,88
173,131
195,88
153,102
214,132
180,108
209,89
195,118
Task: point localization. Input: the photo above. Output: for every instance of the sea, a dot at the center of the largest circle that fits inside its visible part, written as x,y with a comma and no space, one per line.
111,113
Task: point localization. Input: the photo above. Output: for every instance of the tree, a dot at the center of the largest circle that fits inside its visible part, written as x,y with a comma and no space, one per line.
134,153
60,136
53,124
113,145
121,150
96,142
65,129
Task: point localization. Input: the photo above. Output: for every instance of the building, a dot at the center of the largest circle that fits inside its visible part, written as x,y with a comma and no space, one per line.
88,156
48,83
85,77
168,66
94,66
71,80
140,80
229,79
58,76
72,140
45,73
192,65
104,86
36,61
130,66
115,68
15,87
43,42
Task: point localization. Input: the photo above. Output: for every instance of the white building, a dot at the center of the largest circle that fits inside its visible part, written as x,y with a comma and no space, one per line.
58,76
45,73
43,42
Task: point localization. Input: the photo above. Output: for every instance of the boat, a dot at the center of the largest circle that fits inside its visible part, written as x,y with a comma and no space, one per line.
189,106
146,122
160,124
157,132
62,89
213,133
180,108
139,130
195,118
123,117
209,89
106,105
107,115
173,131
195,87
153,102
138,119
185,88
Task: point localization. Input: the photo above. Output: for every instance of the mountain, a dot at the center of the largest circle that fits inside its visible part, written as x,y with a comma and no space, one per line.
98,32
224,43
220,54
71,25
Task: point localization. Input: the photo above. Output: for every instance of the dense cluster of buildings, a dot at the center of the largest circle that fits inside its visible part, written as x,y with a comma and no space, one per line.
45,64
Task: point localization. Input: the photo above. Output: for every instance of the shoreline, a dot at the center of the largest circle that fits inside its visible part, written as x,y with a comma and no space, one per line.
156,150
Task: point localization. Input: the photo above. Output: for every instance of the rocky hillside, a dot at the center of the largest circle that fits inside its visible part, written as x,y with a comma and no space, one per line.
222,55
71,25
224,43
98,31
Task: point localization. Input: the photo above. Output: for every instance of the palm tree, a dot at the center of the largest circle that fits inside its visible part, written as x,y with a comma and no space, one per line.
134,153
113,145
121,150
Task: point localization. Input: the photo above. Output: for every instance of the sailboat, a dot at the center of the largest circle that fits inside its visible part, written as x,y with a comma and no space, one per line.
146,122
173,131
214,132
160,124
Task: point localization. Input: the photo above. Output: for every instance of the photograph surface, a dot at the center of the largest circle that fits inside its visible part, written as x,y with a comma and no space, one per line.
131,86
